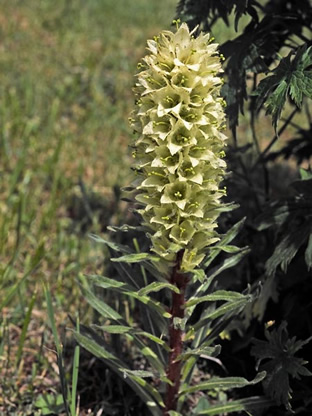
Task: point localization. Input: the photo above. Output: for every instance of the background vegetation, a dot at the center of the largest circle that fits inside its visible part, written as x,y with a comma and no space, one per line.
66,73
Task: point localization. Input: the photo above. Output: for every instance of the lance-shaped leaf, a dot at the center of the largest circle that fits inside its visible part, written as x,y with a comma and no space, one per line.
119,248
203,351
222,383
135,258
126,289
123,329
147,393
228,307
214,297
156,287
107,312
249,405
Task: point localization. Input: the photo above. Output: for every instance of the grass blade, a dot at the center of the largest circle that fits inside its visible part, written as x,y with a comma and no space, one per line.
73,409
59,348
24,329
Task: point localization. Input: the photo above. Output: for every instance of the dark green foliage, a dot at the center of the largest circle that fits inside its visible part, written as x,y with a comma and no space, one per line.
279,353
272,26
206,12
300,147
292,220
291,77
268,71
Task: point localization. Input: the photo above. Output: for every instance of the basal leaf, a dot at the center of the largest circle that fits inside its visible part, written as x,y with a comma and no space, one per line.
92,346
116,365
249,405
149,388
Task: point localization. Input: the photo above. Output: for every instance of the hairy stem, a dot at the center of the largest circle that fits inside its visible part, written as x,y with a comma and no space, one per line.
175,337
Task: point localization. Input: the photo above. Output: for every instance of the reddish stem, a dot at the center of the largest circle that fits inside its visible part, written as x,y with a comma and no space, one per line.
175,337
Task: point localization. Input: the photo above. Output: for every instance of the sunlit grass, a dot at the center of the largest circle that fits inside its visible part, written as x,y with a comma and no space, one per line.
66,72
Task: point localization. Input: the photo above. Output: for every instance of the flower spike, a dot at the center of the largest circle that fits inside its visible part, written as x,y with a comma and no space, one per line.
179,153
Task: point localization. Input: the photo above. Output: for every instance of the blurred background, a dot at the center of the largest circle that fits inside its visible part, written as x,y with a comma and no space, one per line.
66,73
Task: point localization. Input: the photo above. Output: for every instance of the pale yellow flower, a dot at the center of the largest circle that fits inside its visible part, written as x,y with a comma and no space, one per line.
179,152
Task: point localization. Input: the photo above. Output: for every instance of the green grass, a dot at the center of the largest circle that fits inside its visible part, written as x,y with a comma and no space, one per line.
66,72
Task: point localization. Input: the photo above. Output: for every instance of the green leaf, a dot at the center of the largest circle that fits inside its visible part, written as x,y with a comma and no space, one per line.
100,306
203,404
128,290
122,329
150,389
136,258
24,329
291,77
115,364
227,263
106,282
114,329
305,174
156,287
228,248
199,275
281,363
226,308
125,228
293,222
214,297
276,101
153,338
38,256
308,253
225,240
224,265
249,405
119,248
201,352
292,238
50,404
92,346
137,373
222,383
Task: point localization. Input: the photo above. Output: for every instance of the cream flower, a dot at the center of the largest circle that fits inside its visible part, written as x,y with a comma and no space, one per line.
179,119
